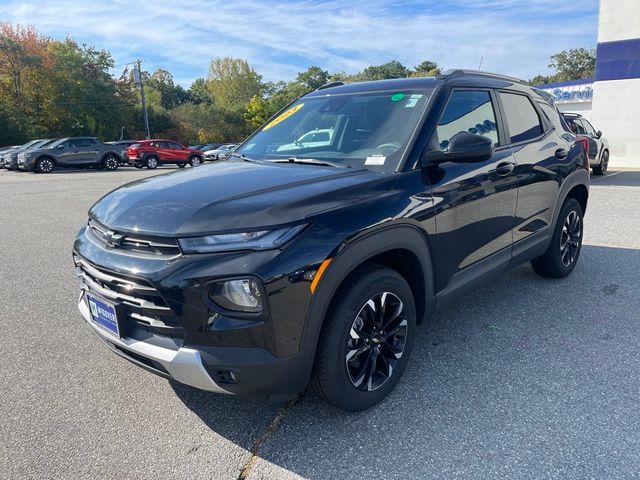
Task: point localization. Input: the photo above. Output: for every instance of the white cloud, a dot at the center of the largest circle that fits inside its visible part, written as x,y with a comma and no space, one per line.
280,38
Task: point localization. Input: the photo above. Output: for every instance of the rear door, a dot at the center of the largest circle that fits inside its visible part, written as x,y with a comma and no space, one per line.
475,202
85,151
540,152
595,145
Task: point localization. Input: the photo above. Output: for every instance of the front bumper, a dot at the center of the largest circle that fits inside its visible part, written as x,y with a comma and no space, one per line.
184,364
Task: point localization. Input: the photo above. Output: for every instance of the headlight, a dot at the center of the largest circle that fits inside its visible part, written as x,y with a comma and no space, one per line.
242,295
224,242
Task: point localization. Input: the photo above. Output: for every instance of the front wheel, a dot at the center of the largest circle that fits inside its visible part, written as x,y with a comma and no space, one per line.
195,161
45,165
562,255
366,340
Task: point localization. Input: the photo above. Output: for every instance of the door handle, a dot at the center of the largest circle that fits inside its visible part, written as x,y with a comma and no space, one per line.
505,168
562,153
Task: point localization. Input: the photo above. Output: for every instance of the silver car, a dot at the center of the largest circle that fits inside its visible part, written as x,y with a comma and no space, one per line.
598,145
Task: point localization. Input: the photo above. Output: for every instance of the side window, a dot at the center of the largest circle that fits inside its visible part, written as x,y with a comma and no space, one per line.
577,127
175,145
466,111
81,142
522,118
156,144
588,127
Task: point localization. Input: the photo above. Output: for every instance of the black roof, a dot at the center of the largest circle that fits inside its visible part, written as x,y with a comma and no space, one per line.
453,77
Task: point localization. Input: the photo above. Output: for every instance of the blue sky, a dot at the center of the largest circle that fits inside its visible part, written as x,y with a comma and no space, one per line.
280,38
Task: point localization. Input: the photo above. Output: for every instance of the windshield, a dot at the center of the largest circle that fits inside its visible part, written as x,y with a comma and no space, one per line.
358,130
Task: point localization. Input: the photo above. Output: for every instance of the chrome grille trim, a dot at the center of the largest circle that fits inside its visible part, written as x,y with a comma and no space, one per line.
125,243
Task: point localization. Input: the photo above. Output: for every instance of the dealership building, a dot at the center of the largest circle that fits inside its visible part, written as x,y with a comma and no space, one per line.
611,101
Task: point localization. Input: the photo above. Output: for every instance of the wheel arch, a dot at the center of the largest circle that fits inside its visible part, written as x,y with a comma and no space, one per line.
110,152
576,186
403,248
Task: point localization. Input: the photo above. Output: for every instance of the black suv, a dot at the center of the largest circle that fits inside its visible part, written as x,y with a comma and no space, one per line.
310,265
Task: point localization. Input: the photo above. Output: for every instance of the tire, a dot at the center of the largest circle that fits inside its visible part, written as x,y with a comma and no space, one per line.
604,164
182,165
562,255
151,162
195,161
45,165
349,344
110,162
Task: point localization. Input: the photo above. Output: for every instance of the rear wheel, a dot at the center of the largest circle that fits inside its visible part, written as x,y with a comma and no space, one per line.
604,164
151,162
110,162
195,161
45,165
562,255
366,339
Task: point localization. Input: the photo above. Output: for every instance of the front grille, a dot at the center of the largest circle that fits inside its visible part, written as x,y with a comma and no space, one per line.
141,245
142,303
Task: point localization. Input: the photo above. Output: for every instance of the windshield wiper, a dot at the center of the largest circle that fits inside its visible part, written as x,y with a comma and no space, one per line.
310,161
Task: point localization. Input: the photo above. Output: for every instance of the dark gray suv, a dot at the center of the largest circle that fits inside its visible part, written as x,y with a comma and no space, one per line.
71,152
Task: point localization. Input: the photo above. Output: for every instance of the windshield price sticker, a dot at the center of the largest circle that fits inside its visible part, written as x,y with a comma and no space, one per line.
375,160
283,116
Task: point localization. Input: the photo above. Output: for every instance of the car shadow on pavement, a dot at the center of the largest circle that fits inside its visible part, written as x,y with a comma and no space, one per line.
524,378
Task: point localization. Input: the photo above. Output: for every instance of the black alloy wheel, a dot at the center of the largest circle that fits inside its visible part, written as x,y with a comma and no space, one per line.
366,339
110,162
563,252
377,340
45,165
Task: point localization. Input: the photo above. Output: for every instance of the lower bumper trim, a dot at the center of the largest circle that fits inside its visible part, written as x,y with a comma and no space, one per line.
183,365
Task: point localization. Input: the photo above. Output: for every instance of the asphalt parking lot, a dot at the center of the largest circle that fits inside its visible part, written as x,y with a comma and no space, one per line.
525,378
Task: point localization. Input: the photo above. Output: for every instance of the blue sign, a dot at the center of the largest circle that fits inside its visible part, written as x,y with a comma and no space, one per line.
584,95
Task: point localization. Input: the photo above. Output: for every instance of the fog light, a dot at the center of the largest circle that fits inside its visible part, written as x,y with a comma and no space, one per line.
241,295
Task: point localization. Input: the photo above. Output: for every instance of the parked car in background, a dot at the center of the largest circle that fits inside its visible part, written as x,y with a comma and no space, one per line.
4,151
123,146
10,161
315,138
598,145
209,146
222,150
70,152
151,153
314,267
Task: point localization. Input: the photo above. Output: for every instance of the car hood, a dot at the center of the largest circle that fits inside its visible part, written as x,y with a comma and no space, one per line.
234,196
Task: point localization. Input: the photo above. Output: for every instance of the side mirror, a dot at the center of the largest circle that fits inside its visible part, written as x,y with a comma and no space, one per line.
464,147
598,134
61,147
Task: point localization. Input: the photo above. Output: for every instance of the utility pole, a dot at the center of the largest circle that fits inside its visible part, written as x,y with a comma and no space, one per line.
137,78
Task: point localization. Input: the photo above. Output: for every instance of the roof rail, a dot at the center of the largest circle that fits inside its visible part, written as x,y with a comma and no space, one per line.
337,83
455,72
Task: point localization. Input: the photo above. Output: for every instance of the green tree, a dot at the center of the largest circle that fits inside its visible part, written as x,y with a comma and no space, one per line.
574,64
392,69
313,77
426,69
198,92
232,83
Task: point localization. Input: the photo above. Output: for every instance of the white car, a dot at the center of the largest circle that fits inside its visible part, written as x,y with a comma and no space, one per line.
220,153
315,138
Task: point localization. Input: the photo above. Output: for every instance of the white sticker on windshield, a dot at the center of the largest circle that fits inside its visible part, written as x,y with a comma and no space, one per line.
413,100
375,160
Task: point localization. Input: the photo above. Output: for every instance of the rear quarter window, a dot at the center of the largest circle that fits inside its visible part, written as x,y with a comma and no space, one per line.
522,118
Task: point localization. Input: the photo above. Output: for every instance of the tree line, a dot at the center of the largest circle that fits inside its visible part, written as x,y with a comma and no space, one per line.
53,88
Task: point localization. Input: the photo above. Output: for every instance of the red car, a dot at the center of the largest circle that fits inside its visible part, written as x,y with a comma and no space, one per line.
151,153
